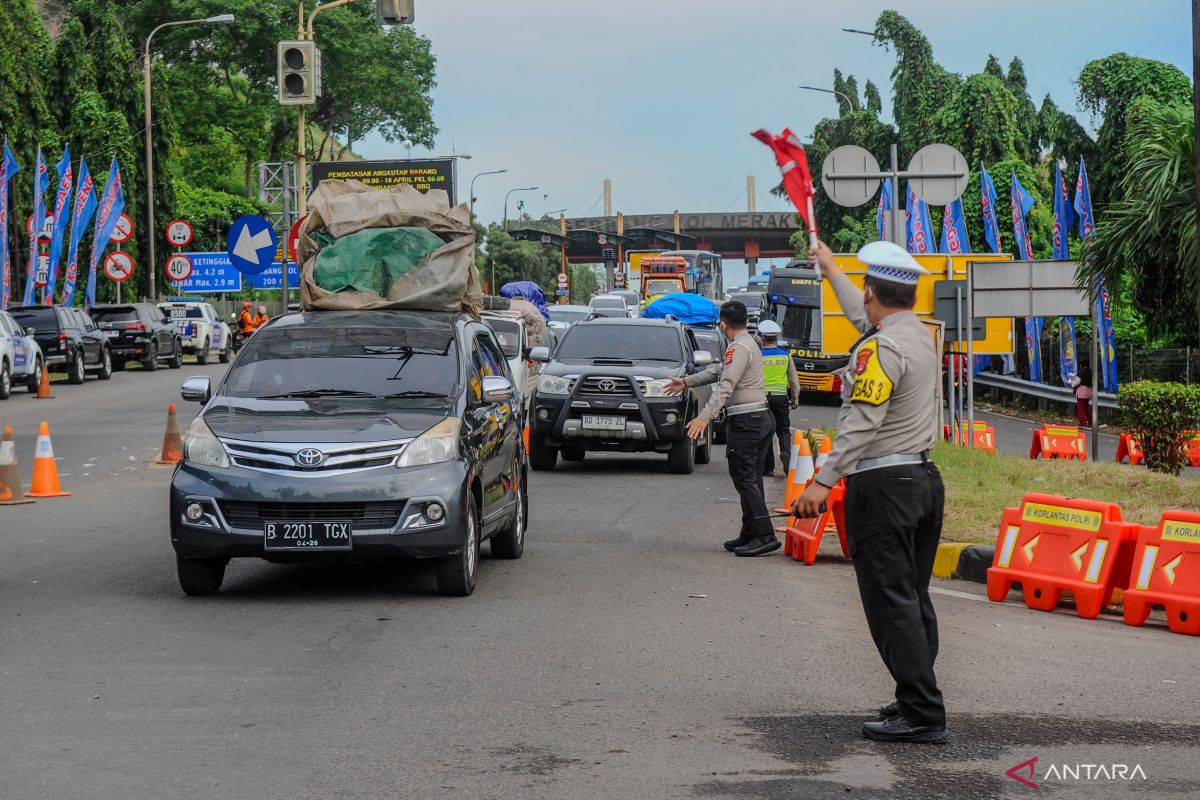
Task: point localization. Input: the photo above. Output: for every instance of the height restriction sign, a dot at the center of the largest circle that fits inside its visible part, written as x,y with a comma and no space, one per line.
179,233
179,267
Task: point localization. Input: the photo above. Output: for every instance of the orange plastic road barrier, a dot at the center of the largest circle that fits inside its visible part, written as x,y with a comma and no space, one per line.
10,472
1128,448
45,469
802,539
1058,441
172,448
985,436
1193,448
1166,572
43,392
800,470
1054,544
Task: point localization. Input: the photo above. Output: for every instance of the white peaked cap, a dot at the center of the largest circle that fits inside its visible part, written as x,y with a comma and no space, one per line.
887,261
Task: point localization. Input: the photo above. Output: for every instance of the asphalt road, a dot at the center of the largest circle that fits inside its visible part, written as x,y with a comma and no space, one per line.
625,656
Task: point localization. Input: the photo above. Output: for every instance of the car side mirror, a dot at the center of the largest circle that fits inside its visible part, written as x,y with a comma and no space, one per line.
540,354
525,351
105,326
31,331
196,389
497,389
702,358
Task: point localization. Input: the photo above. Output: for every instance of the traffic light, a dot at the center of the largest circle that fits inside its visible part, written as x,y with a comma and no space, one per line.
299,73
394,12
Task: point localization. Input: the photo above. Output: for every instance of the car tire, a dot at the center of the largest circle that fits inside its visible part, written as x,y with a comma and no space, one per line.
202,354
106,365
199,577
573,454
5,380
151,361
704,450
542,457
681,460
510,543
34,381
226,354
456,575
75,370
176,361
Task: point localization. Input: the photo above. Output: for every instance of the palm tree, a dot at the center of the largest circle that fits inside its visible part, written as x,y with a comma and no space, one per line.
1149,233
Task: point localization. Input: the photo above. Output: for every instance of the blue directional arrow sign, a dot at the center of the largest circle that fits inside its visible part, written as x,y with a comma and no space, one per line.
251,245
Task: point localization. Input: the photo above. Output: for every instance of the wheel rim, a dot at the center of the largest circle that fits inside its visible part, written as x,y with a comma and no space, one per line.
5,380
79,366
520,521
471,549
107,361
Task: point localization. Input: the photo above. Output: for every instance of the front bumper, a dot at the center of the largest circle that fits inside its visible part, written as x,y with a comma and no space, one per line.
406,491
650,423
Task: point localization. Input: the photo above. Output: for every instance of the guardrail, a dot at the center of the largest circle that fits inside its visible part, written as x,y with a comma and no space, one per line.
1060,394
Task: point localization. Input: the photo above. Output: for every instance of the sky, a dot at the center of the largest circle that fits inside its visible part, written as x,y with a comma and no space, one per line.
660,95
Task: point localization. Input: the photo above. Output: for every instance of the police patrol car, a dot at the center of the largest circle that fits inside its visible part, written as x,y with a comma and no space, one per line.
201,329
20,357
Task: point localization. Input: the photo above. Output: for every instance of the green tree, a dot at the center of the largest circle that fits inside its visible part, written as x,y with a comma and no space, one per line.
871,96
511,260
920,85
1026,116
981,121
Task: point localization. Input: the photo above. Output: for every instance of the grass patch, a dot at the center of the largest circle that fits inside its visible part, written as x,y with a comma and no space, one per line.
980,486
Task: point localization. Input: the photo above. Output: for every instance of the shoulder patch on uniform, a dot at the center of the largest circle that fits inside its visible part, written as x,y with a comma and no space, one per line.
729,356
871,383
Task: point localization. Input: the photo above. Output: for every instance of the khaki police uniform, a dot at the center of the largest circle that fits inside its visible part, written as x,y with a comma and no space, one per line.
894,494
783,391
748,427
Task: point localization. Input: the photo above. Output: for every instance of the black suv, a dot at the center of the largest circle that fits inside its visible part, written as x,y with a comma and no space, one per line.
140,331
605,389
71,341
352,436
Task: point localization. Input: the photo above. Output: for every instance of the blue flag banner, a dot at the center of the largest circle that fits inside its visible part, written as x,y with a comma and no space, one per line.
7,170
62,200
1064,217
40,184
1068,361
81,216
920,228
1108,343
1033,341
954,229
991,224
1083,205
883,216
1022,202
112,204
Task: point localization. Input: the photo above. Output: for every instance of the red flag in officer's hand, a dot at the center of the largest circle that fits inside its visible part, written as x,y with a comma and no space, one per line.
797,179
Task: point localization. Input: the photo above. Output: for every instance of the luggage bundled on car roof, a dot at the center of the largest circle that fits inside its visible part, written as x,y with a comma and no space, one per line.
365,248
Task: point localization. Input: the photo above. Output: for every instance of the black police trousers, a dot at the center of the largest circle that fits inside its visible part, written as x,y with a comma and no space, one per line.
747,437
894,521
780,409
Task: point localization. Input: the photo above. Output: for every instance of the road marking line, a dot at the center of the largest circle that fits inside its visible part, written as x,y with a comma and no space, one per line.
963,595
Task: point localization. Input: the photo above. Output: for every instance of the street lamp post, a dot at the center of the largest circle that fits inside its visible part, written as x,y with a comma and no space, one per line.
842,95
510,191
471,200
149,122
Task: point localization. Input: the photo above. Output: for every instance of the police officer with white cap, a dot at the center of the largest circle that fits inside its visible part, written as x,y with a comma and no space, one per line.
894,494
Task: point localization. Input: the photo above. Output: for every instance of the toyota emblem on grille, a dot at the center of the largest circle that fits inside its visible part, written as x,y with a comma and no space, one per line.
310,457
607,385
809,366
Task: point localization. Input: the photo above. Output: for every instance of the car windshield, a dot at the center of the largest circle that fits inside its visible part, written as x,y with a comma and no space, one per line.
42,319
608,302
661,287
568,315
183,312
625,342
508,332
363,362
115,314
752,300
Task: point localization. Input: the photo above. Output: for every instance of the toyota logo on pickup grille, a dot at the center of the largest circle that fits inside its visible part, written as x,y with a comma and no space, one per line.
310,457
607,385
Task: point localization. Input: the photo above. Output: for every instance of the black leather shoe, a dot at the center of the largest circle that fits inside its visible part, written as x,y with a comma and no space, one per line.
758,547
892,709
734,544
898,729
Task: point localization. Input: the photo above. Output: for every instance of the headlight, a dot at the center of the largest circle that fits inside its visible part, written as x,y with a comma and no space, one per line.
435,446
555,384
652,387
202,448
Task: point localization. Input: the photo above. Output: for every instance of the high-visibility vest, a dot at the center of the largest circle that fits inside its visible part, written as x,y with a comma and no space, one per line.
775,370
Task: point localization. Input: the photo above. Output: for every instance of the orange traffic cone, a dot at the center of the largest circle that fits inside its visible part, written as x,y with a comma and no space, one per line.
801,471
10,473
172,449
823,454
45,470
43,392
525,438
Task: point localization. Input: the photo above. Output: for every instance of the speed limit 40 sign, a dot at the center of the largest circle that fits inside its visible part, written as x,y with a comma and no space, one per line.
179,268
179,233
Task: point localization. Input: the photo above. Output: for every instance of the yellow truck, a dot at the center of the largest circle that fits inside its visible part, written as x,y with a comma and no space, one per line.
819,335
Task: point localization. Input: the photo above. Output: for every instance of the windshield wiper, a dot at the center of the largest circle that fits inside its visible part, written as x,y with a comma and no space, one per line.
317,393
658,358
410,393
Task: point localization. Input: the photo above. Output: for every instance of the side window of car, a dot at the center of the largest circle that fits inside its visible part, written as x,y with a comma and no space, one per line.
475,372
493,356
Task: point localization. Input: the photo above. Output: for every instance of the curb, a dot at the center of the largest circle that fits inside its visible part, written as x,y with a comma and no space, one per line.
966,562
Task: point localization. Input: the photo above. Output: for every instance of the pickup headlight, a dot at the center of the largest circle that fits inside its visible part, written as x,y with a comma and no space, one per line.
435,446
654,387
555,384
202,448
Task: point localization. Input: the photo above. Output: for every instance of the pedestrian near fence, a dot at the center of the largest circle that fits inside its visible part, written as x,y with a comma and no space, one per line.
783,393
748,426
894,494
